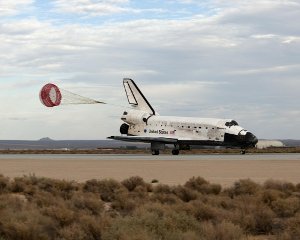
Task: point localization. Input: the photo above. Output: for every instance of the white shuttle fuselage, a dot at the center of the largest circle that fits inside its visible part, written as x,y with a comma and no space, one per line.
143,124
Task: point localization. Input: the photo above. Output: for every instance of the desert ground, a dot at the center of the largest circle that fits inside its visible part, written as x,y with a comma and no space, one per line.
224,172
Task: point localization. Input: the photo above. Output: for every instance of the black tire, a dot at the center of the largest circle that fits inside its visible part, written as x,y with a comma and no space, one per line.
175,152
243,152
155,152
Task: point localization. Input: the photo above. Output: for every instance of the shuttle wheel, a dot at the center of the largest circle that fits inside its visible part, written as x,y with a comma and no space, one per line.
175,152
155,152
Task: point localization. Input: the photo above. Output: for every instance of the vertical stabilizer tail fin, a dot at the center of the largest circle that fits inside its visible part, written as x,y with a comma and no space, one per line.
135,96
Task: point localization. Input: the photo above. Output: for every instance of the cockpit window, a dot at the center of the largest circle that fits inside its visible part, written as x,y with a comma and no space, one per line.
232,123
125,113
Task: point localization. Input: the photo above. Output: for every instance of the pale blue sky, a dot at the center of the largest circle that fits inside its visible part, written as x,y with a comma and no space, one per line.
191,58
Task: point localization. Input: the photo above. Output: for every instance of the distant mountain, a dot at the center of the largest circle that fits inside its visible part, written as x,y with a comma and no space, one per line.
291,142
46,139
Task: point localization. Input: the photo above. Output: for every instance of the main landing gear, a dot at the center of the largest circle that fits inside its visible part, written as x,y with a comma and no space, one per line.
155,152
243,151
175,151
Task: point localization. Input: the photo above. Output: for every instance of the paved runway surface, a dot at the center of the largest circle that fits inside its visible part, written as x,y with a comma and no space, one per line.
147,157
223,169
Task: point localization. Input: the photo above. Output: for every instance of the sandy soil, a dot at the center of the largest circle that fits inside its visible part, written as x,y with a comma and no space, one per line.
224,172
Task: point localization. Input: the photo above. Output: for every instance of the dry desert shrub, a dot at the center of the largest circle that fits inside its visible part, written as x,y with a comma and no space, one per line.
60,214
202,211
133,182
169,199
20,220
17,185
201,185
148,224
94,226
61,188
221,231
222,202
268,196
29,185
85,228
254,217
89,202
108,189
163,188
40,208
4,181
243,187
282,186
227,230
45,199
124,204
73,231
286,207
185,194
291,229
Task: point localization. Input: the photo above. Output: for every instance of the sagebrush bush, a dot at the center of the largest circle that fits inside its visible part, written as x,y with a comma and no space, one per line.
4,181
60,214
108,189
282,186
244,187
268,196
165,198
286,207
185,194
124,204
41,208
203,212
291,229
20,220
87,202
133,182
201,185
162,188
227,230
222,231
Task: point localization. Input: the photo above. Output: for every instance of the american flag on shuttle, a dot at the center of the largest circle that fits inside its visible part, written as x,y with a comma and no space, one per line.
172,132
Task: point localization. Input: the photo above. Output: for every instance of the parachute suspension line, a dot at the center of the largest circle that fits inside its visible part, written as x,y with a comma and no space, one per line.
73,98
53,96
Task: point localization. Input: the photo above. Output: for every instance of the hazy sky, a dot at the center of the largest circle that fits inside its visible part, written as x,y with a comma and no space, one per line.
235,59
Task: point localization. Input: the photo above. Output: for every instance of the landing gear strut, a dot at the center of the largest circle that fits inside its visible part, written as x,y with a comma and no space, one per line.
175,151
155,152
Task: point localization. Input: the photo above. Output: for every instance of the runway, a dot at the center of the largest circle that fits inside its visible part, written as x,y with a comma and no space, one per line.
148,157
168,169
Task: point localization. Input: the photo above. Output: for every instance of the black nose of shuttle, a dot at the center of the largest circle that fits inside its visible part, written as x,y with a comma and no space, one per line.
251,139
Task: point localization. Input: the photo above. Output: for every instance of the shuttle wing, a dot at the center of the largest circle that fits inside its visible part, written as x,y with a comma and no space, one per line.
145,139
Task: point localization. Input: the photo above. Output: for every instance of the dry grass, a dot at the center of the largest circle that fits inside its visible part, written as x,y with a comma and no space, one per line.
42,208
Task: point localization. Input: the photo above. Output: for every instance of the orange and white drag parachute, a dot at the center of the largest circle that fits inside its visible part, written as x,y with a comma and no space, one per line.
53,96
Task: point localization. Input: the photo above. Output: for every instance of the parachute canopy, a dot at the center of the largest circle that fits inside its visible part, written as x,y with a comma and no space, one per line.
52,96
